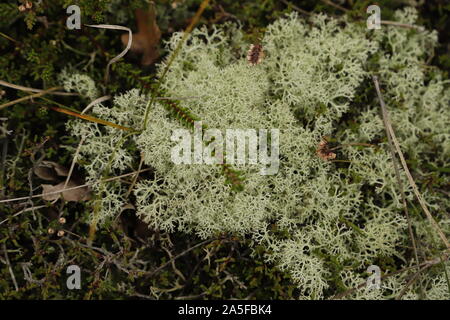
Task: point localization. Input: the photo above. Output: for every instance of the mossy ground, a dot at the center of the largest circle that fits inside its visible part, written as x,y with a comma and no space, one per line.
134,258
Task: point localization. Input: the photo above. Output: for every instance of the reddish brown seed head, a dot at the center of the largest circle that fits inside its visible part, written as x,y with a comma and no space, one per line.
324,152
255,54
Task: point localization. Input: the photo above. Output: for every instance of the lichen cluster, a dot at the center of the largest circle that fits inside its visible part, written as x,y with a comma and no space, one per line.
324,222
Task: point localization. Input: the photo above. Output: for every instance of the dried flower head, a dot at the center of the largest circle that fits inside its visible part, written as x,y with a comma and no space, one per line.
255,54
22,8
60,233
51,231
28,4
62,220
324,152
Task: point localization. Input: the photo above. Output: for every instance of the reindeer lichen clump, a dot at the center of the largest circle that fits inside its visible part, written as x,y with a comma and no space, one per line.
323,222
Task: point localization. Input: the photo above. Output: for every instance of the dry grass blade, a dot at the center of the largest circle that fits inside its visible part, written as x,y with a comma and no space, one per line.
31,96
93,103
28,89
402,192
8,37
411,281
391,133
90,118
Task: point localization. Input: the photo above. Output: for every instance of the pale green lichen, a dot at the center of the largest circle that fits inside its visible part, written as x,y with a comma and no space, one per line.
80,83
312,215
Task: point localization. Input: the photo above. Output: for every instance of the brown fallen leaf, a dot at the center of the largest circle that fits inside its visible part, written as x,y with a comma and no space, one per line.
80,194
49,170
146,40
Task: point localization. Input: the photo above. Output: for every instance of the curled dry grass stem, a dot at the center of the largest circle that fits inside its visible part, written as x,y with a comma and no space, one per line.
120,55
